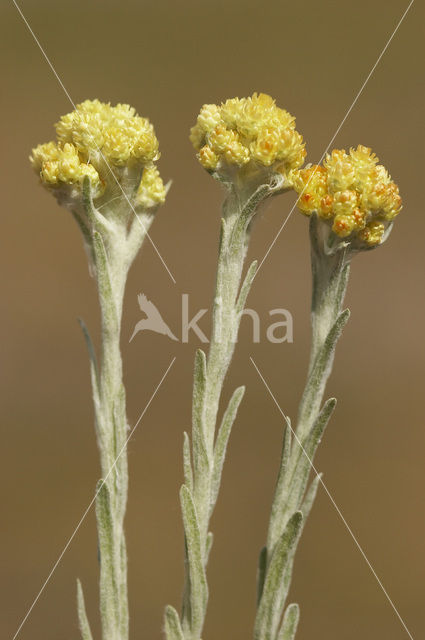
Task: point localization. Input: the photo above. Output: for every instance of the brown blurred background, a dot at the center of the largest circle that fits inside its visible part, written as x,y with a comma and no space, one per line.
167,59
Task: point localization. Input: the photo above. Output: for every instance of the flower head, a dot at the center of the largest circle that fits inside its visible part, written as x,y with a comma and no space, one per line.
247,134
353,193
107,144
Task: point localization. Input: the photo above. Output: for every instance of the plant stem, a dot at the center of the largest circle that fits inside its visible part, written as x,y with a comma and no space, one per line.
330,271
112,251
204,463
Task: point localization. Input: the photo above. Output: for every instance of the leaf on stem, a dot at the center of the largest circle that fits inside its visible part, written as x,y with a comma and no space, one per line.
321,368
200,455
173,628
198,581
249,210
82,615
324,357
342,285
109,607
290,623
101,260
305,509
319,426
222,441
280,493
310,497
95,218
245,288
187,464
275,586
304,460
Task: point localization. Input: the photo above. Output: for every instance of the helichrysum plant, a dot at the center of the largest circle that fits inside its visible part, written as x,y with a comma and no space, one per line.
252,147
102,168
352,203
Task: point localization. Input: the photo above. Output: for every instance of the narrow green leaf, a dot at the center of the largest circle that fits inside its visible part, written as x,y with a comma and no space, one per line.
306,457
200,456
106,296
248,211
82,615
198,581
104,517
310,497
119,443
245,288
173,628
261,573
290,623
276,524
319,426
319,374
305,509
275,587
186,615
109,607
87,199
342,285
222,441
297,482
325,355
199,383
187,464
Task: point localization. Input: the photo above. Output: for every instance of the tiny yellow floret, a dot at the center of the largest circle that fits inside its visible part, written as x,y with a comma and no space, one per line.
352,191
247,130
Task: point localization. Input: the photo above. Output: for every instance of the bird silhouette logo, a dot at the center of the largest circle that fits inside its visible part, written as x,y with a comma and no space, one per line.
153,320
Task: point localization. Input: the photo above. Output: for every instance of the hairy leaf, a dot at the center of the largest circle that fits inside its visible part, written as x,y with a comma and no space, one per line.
245,288
187,464
109,607
200,455
198,582
82,615
274,592
222,441
173,629
290,623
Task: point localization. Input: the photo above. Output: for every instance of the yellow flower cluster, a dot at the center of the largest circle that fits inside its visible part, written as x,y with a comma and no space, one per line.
352,191
95,134
246,130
